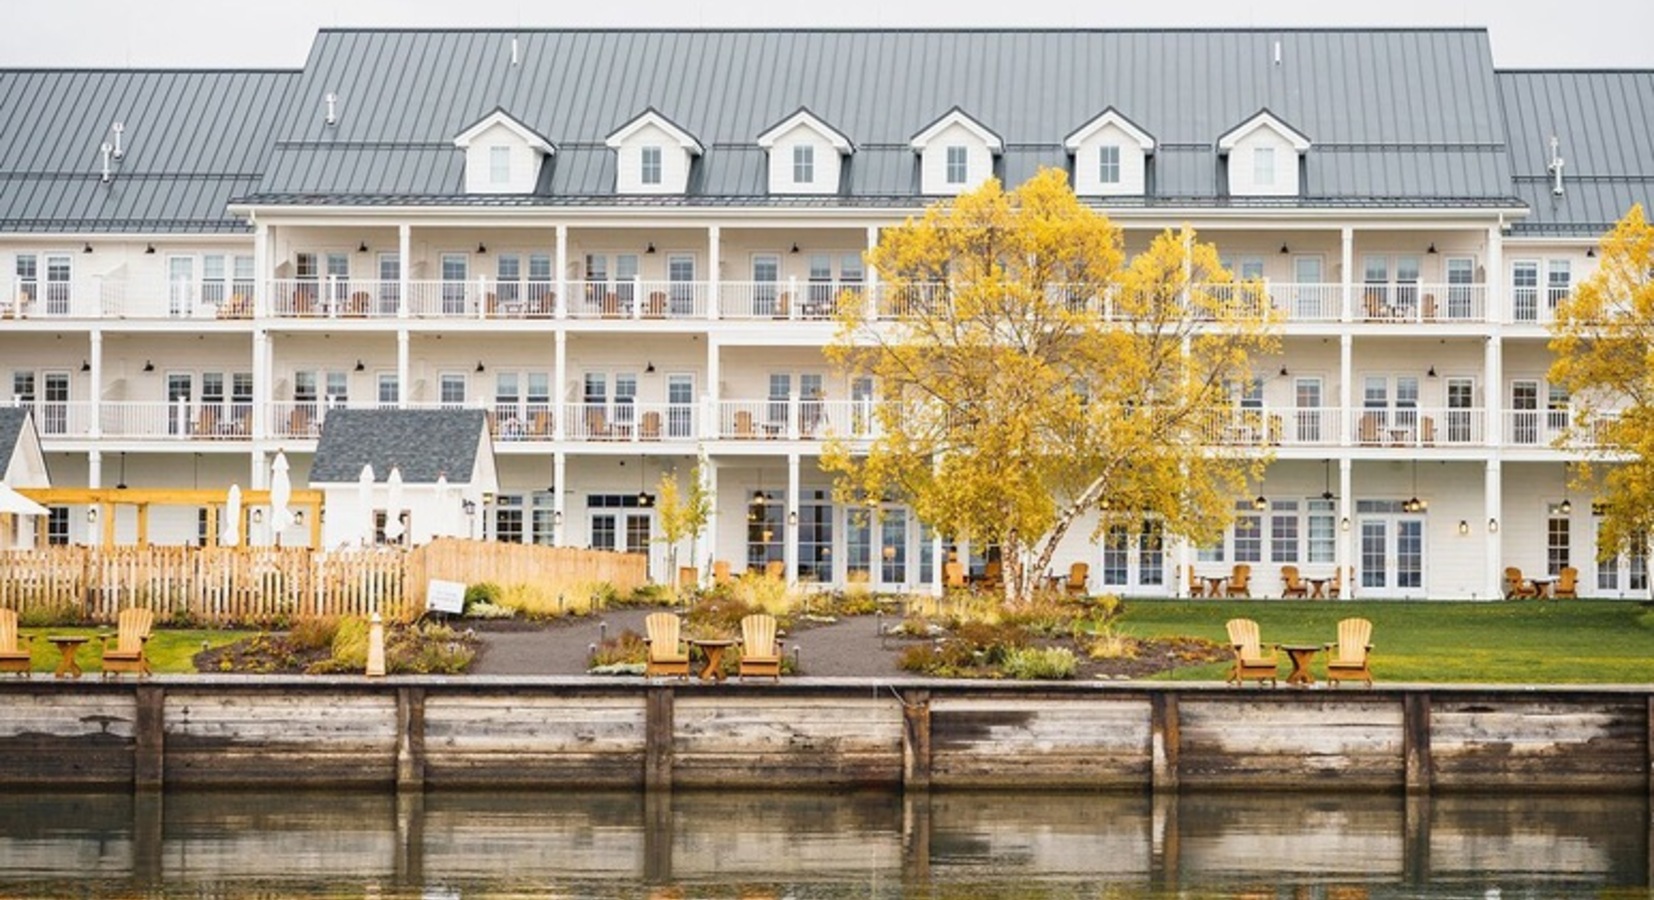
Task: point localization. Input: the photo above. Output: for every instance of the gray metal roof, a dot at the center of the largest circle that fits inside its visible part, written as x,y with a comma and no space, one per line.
1604,121
11,428
424,443
193,140
1402,115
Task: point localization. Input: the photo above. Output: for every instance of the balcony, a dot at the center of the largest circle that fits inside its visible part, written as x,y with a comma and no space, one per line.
1418,427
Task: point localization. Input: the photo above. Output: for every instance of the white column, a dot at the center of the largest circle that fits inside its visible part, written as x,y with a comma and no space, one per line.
259,476
404,248
1497,310
872,275
562,263
559,515
714,391
1493,527
711,473
403,370
263,381
1346,389
94,479
1347,270
715,249
790,547
559,390
1493,375
1346,525
94,468
264,267
94,386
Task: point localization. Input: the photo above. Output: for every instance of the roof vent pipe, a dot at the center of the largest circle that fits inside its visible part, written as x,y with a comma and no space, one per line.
332,110
1277,53
1555,166
119,129
513,51
106,150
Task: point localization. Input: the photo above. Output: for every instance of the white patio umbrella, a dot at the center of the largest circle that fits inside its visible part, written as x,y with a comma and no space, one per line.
393,506
443,510
364,497
17,504
229,532
281,494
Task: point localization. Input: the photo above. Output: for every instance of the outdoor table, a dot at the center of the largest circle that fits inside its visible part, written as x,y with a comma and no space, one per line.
714,652
1318,588
1214,585
1541,588
1301,655
67,645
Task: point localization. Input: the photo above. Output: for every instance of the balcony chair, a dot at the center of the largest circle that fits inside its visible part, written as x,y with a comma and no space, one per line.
1427,431
784,305
1240,581
597,425
655,307
541,304
1517,587
1249,659
126,654
1077,575
611,305
1427,307
540,424
1368,428
360,302
14,656
743,425
1291,584
1349,662
1567,584
1197,587
667,654
760,651
649,426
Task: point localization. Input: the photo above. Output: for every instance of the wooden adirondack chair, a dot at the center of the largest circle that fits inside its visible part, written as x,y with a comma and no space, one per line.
720,572
1336,585
1516,586
760,651
1197,587
1249,659
1240,581
1348,661
953,575
1567,584
127,652
1075,587
1291,584
775,569
667,654
14,656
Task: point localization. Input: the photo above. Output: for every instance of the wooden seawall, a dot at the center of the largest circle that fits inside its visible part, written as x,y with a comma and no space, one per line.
416,733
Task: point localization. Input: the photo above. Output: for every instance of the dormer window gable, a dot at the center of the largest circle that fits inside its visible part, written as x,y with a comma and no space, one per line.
502,154
806,154
1110,156
652,155
1264,155
956,154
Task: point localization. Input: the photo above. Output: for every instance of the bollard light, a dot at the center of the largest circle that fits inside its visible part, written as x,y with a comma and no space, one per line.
376,647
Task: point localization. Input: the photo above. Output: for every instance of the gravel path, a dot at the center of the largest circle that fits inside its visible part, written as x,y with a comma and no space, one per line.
847,648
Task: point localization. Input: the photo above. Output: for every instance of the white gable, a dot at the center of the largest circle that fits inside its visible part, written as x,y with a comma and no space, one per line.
1126,148
652,155
502,155
1264,157
806,155
952,139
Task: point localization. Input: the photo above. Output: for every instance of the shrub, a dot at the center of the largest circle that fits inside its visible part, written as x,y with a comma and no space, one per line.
49,614
761,594
486,610
648,595
482,592
1107,643
313,633
626,648
350,645
1040,663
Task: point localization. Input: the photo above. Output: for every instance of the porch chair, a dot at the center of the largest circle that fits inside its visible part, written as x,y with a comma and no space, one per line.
775,569
743,425
760,651
1077,575
649,426
655,306
1368,428
1240,581
1349,662
1516,586
1197,587
127,652
597,424
953,575
1249,659
1567,584
667,654
720,572
1291,584
14,656
1336,585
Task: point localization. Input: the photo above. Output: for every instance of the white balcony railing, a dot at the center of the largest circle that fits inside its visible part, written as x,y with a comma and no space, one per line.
81,298
794,418
1417,427
1421,303
639,299
631,421
1266,427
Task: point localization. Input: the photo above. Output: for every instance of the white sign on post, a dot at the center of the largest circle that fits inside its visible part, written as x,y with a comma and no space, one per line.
445,597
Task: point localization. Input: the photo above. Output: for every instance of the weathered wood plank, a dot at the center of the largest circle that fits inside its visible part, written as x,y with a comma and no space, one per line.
253,737
1586,743
1007,741
543,739
1268,742
67,738
786,740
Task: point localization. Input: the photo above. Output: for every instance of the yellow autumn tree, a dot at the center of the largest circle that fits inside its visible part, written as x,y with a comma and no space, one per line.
1603,342
1027,374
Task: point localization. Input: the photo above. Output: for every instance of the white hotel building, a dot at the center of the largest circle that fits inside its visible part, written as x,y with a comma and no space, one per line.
618,243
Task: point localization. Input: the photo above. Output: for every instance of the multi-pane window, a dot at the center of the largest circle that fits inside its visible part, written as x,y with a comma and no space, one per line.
649,169
544,519
1558,281
1556,539
1108,164
1524,297
766,518
804,164
57,525
451,389
508,518
1283,531
28,275
1323,537
1263,166
1248,533
389,391
815,536
499,165
957,164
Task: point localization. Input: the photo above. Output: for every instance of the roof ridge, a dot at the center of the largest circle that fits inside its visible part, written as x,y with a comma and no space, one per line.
148,70
984,29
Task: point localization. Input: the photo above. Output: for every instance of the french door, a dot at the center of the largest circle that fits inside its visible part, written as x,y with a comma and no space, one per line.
1133,563
1391,550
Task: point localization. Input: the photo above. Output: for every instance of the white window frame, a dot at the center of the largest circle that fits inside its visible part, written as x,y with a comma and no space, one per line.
650,164
1108,164
1263,166
957,169
499,164
804,164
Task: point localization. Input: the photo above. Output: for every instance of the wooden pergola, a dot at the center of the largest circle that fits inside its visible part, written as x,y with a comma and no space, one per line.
306,503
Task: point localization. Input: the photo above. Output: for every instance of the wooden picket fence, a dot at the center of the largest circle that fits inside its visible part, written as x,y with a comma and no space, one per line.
270,585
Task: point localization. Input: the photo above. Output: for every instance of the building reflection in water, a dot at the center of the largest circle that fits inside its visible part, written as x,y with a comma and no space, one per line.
700,844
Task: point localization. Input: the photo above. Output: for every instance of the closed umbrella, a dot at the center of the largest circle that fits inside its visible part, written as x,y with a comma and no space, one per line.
281,494
17,504
393,506
440,526
364,497
230,534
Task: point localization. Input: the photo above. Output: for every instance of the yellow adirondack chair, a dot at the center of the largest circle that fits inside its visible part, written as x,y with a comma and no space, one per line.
14,657
760,651
1567,584
720,572
1291,584
1516,586
1076,579
667,655
1249,659
1348,662
1240,581
127,652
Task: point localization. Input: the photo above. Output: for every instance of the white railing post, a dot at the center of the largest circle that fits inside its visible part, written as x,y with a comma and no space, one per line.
792,416
637,297
797,300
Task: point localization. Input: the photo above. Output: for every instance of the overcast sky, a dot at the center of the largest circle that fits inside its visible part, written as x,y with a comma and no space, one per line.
1525,33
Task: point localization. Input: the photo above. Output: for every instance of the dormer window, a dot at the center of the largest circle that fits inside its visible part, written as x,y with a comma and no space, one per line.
958,164
1108,164
1264,157
804,164
1263,166
499,165
649,165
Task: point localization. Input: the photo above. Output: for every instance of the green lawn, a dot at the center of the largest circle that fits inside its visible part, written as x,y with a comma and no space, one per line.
1564,642
168,651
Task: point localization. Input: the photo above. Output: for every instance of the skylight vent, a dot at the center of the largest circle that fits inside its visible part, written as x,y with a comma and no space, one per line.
1554,167
332,117
106,150
119,128
514,56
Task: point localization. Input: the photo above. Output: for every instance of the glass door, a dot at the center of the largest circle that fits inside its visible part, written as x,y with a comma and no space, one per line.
1133,563
1461,275
893,548
54,413
680,406
1461,399
680,293
1391,549
390,283
766,272
1307,418
57,285
1307,277
455,272
1524,415
180,286
180,390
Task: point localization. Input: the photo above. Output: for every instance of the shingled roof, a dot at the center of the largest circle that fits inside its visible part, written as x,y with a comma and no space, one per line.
423,443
